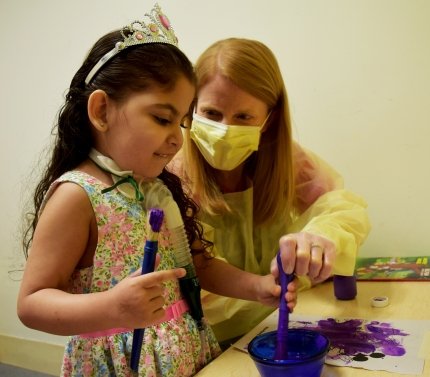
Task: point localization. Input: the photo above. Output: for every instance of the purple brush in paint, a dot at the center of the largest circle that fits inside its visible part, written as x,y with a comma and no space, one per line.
155,219
281,352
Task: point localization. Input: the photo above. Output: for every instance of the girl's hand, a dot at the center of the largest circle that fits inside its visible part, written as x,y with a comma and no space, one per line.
268,292
306,254
137,301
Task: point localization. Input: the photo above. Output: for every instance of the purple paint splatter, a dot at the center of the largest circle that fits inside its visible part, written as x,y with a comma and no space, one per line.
358,340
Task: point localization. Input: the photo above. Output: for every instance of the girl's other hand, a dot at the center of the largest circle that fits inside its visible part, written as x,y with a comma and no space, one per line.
269,291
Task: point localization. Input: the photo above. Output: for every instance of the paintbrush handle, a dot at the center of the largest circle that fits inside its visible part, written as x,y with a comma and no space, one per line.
148,265
150,252
282,333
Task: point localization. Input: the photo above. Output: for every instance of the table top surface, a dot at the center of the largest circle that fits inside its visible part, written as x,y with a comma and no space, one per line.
407,300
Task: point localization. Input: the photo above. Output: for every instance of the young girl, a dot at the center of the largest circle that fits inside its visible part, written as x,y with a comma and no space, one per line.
118,128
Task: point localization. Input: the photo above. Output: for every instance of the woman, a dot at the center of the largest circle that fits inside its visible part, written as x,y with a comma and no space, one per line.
257,189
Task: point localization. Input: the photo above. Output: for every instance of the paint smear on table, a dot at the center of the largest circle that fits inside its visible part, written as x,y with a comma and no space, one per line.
361,343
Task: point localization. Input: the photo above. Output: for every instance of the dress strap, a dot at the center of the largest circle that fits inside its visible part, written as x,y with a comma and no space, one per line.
173,311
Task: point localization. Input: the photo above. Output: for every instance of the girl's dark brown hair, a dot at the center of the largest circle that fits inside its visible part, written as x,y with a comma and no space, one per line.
134,69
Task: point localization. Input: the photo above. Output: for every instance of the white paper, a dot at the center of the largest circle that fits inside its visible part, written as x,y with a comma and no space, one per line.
393,346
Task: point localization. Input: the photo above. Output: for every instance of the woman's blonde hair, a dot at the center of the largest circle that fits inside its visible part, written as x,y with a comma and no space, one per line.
251,66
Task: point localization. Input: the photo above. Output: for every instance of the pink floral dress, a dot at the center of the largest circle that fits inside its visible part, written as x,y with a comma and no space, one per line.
171,348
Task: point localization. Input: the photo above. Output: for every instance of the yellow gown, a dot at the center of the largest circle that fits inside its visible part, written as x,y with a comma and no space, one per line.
324,208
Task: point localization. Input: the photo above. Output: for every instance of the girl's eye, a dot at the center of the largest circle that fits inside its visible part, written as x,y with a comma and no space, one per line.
162,121
183,125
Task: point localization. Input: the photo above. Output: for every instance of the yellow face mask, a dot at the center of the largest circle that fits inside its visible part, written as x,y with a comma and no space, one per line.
224,147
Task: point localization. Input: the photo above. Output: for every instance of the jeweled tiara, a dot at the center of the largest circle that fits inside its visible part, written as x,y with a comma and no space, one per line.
154,28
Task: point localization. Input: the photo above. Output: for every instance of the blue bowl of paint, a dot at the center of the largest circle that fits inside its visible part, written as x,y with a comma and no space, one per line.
307,350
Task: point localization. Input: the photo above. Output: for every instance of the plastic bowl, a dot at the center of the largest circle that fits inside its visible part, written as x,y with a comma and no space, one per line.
307,350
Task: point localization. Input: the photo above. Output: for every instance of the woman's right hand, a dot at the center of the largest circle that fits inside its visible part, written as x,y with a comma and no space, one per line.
137,301
307,254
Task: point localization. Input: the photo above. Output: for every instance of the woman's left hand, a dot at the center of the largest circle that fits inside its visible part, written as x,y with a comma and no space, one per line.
306,254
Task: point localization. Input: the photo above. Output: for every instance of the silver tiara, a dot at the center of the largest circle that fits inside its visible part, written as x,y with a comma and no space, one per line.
154,28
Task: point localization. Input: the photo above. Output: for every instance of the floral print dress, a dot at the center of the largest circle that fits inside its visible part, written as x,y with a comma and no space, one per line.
171,348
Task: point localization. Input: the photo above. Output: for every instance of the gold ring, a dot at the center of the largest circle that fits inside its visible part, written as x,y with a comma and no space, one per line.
315,245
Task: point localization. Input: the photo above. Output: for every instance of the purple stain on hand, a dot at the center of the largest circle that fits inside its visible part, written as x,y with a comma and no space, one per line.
358,340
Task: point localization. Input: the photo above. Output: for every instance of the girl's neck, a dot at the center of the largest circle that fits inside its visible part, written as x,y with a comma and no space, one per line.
94,170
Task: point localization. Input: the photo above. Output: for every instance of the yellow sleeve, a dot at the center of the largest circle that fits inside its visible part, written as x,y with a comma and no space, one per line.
341,216
327,209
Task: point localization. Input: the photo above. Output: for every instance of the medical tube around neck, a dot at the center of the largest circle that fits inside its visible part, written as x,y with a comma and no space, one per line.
158,195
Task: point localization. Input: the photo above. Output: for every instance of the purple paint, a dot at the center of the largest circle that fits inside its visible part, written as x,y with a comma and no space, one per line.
305,357
359,340
345,287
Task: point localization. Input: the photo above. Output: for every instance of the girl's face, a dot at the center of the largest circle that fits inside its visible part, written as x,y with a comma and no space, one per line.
223,101
144,133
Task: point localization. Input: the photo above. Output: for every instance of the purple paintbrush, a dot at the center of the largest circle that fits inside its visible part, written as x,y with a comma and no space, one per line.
155,219
281,352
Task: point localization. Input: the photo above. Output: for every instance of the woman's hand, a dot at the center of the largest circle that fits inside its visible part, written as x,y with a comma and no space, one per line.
306,254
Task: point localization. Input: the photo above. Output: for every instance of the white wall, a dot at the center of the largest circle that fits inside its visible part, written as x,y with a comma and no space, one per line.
358,75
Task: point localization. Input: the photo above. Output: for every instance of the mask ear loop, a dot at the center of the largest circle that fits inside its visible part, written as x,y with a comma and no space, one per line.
263,126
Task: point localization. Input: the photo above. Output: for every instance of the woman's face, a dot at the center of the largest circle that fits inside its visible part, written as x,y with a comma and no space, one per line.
223,101
144,133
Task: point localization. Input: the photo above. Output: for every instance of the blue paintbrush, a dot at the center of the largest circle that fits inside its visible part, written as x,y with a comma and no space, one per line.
155,219
281,352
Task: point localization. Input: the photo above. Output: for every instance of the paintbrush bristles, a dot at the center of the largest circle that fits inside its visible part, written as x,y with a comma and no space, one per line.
155,219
